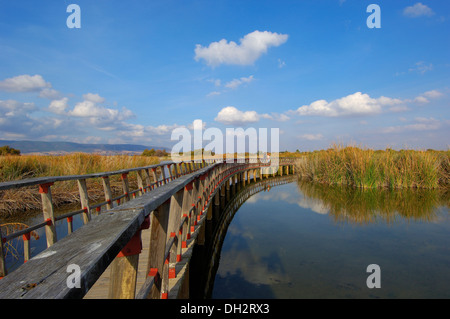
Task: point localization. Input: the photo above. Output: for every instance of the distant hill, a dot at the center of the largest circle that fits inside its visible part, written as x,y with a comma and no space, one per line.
37,147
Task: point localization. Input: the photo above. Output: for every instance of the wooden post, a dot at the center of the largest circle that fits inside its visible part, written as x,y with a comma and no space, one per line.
187,205
155,176
163,172
125,266
84,200
126,187
47,210
123,277
108,193
70,224
217,205
26,246
147,179
3,271
176,203
158,234
140,180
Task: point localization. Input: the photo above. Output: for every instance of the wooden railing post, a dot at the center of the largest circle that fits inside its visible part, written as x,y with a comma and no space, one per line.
176,203
84,200
155,176
26,246
186,211
158,234
107,190
140,180
126,187
3,271
163,172
47,210
125,266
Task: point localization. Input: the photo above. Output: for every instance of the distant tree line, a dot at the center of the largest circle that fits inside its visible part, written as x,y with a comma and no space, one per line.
153,152
6,150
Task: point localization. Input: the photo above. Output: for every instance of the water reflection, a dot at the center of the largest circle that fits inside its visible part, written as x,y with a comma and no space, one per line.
304,240
364,206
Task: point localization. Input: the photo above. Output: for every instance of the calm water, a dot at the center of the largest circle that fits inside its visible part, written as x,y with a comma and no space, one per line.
305,241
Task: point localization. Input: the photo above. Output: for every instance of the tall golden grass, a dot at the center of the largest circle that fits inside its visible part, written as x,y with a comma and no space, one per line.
367,168
29,166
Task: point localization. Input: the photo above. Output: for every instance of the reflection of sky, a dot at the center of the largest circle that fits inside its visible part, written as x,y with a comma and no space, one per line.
292,197
275,248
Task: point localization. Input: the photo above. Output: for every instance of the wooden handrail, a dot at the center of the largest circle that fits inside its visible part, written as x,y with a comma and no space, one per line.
98,242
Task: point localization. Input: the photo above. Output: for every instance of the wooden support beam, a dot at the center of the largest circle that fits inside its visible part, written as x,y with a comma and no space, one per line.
124,267
158,234
47,210
3,270
84,200
125,186
107,191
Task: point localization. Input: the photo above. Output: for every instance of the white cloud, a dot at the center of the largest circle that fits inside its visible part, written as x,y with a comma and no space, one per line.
12,108
425,97
95,98
251,47
213,93
421,67
49,93
433,94
421,124
232,116
311,137
418,10
24,83
235,83
58,106
353,104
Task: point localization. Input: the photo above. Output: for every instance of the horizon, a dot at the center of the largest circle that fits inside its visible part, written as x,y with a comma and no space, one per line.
133,72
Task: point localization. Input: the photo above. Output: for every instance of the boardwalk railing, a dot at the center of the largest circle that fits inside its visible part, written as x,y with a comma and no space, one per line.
148,178
173,208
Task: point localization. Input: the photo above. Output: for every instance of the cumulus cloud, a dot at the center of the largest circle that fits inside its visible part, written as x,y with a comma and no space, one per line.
251,47
24,83
95,98
418,10
58,106
353,104
12,108
232,116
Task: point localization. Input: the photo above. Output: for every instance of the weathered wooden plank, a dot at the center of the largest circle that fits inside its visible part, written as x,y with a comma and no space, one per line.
92,248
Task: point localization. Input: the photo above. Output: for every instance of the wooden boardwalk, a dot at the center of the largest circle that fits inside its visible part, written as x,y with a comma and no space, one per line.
172,215
100,290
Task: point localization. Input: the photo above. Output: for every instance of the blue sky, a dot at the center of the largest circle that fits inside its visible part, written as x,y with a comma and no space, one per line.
136,70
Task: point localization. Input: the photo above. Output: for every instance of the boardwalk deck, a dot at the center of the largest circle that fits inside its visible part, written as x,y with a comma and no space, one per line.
175,212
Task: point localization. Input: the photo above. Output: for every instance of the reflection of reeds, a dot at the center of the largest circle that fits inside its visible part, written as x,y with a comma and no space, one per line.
364,206
29,166
366,168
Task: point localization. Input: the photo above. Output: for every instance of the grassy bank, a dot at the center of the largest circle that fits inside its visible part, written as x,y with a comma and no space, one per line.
367,168
20,167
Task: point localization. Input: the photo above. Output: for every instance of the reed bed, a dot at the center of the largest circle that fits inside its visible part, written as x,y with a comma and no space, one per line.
29,166
367,168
